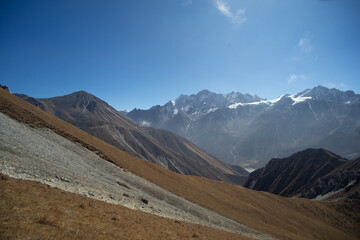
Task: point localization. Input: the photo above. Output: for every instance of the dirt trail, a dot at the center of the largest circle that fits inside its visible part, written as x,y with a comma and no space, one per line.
41,155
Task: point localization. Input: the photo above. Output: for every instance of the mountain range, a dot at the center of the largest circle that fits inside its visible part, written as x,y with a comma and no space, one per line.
61,161
246,130
165,148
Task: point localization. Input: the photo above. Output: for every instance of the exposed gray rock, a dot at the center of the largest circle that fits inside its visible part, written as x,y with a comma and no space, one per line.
249,131
43,156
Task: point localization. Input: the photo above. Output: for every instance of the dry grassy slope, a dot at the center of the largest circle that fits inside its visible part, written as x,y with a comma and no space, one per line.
43,212
96,117
278,216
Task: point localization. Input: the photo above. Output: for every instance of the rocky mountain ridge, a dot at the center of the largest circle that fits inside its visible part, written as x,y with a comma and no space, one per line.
98,118
62,212
247,130
312,173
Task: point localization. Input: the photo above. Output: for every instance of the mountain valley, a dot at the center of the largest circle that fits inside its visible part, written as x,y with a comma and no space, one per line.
260,215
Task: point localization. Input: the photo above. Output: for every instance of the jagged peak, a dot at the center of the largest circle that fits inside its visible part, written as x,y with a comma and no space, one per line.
204,92
324,93
81,93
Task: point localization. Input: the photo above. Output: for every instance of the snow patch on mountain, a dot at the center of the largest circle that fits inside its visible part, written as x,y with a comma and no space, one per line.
212,110
273,101
235,105
299,98
185,109
249,169
268,102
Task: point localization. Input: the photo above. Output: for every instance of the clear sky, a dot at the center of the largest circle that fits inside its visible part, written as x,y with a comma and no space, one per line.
140,53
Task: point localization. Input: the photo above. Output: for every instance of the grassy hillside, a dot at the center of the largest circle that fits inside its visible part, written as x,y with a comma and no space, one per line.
281,217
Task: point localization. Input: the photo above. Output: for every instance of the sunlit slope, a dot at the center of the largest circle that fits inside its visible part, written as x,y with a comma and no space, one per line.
281,217
30,210
98,118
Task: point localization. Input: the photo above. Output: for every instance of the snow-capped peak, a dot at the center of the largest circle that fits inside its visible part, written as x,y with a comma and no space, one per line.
273,101
268,102
299,98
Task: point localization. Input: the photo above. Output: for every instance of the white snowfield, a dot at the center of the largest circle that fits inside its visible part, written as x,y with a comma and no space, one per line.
300,98
235,105
43,156
295,98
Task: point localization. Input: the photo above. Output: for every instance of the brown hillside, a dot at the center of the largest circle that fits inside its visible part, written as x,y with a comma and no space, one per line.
31,210
268,213
98,118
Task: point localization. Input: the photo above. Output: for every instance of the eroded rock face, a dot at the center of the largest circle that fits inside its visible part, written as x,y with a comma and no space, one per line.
344,179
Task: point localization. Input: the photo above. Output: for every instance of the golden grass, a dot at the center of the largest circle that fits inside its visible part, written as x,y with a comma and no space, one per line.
278,216
31,210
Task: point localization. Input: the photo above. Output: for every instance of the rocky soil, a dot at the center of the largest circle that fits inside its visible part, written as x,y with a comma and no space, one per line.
41,155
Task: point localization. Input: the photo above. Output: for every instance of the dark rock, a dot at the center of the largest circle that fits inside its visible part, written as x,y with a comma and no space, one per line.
144,200
3,177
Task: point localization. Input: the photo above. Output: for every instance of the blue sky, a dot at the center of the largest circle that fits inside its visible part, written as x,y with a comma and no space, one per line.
138,53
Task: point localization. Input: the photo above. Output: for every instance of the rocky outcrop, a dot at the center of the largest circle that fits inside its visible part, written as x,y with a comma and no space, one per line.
342,178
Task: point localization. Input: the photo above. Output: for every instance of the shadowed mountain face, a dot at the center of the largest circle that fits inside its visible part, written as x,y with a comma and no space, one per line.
246,130
311,173
96,117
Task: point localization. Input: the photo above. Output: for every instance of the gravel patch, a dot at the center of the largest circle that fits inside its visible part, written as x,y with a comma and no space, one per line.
41,155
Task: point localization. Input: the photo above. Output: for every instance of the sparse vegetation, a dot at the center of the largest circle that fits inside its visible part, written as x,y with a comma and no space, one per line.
31,210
